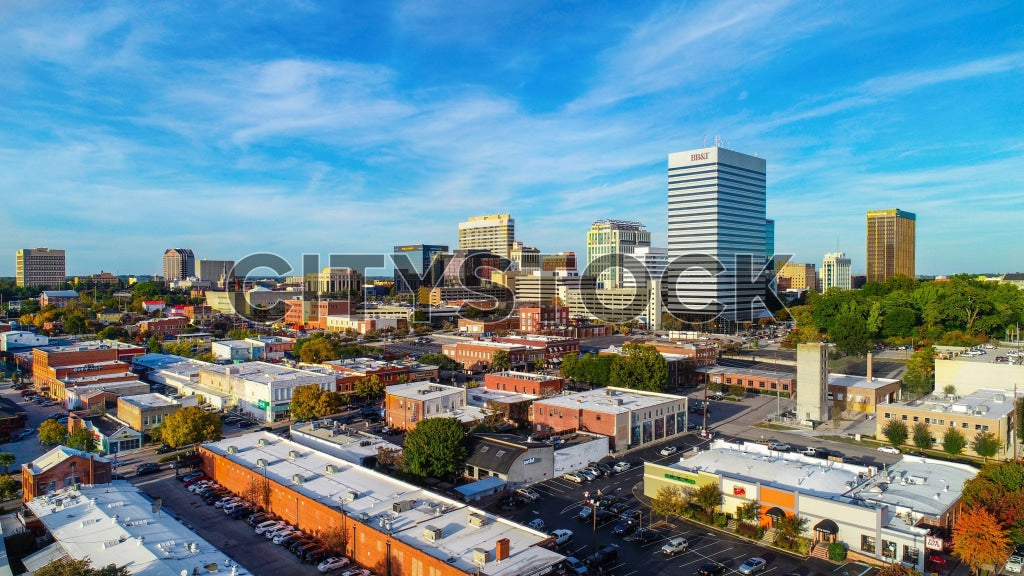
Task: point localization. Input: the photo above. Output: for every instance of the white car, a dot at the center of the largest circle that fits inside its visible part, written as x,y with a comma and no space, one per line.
357,572
280,530
262,528
752,565
287,533
779,446
675,546
1014,564
333,563
562,537
621,467
889,449
668,450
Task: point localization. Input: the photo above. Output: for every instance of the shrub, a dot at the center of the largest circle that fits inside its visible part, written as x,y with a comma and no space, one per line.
721,520
748,530
836,552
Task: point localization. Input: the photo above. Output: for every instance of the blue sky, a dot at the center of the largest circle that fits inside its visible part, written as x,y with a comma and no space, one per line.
302,127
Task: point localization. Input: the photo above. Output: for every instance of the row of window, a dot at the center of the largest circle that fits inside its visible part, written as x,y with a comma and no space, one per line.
760,384
910,554
941,422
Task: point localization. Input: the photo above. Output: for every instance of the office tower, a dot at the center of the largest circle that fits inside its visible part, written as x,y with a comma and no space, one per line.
769,242
794,276
218,272
526,258
835,272
40,267
608,241
716,217
179,264
654,259
343,283
418,265
890,249
494,233
563,263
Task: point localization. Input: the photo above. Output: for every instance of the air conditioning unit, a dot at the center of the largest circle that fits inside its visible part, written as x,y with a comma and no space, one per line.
261,463
351,495
477,520
331,468
432,533
293,454
232,449
264,442
402,506
481,556
298,479
365,443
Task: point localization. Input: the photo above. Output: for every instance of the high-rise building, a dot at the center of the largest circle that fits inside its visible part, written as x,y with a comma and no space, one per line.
217,272
716,221
494,233
41,267
835,272
769,241
608,243
794,276
526,258
418,265
890,249
179,264
654,259
342,282
563,263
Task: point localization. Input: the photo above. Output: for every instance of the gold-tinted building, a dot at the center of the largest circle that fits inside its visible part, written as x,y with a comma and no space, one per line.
494,233
890,247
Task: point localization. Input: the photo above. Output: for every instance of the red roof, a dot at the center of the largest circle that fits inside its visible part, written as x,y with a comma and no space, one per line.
154,303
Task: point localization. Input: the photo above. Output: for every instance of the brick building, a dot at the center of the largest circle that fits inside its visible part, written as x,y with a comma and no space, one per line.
58,298
47,360
304,313
478,356
163,327
407,404
749,378
389,526
542,319
525,383
629,418
352,370
198,314
487,326
555,347
62,467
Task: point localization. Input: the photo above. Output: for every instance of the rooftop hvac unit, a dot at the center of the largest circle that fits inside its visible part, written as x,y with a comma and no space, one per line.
477,520
402,506
261,463
331,469
365,443
481,556
351,495
432,533
293,454
618,401
264,442
232,449
315,425
298,479
334,432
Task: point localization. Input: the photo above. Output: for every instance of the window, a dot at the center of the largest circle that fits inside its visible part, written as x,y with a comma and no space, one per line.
965,425
911,555
916,418
984,428
927,420
888,415
903,417
867,544
977,426
888,550
775,385
597,416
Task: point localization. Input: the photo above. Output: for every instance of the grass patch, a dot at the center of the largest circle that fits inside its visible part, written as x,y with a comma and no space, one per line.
770,426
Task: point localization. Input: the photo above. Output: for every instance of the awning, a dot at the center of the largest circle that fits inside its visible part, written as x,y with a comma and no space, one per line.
827,526
775,512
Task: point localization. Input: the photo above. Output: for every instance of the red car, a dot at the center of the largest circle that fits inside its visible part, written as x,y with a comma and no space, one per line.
936,560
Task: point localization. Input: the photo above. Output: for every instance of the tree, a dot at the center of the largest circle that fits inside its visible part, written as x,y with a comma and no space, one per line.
69,567
979,540
640,368
985,444
922,435
241,334
441,361
312,402
183,349
52,432
82,439
999,488
6,460
369,387
435,447
335,539
895,431
500,361
669,501
153,345
790,528
919,380
8,487
707,497
850,333
748,512
190,425
897,569
953,441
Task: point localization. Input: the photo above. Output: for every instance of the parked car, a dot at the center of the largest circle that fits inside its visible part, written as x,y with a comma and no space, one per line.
315,555
333,563
889,449
618,508
624,527
528,494
147,468
605,468
240,512
587,475
280,537
711,569
164,449
575,566
643,535
574,477
779,446
258,518
536,524
357,572
268,525
585,514
621,467
668,450
675,546
562,537
604,556
752,565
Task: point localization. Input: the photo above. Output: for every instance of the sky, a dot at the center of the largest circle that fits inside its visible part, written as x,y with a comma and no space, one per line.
302,127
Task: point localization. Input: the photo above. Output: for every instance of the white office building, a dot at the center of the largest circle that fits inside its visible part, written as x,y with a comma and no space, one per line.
835,271
716,236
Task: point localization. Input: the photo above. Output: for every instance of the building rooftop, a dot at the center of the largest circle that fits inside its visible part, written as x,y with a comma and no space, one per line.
780,374
240,344
479,397
272,374
423,390
106,424
115,524
59,294
405,511
57,455
531,339
915,483
850,381
89,345
337,439
150,400
530,376
361,365
177,365
984,403
980,355
490,344
611,400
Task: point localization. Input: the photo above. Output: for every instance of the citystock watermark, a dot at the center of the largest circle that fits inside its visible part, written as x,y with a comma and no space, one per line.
697,288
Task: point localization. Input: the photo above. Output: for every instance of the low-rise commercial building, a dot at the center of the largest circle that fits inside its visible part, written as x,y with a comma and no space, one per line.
77,390
60,468
510,459
525,382
407,404
58,298
487,325
92,357
629,418
362,324
555,347
984,410
889,515
479,355
143,412
968,370
542,319
336,439
110,434
752,379
862,393
260,389
117,524
163,327
350,371
389,526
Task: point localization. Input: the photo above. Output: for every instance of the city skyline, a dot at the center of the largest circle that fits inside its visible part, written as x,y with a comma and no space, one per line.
309,128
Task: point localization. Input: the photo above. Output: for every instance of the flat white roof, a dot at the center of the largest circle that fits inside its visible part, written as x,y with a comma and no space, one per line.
176,365
480,396
988,403
611,400
241,344
150,400
920,484
527,376
272,374
115,524
423,390
850,381
339,440
401,509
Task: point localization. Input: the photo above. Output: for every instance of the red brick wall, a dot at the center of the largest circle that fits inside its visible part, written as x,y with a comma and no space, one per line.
88,471
512,384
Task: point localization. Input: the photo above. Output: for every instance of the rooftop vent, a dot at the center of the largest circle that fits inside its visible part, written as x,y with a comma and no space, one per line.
481,556
432,533
261,463
264,442
298,479
365,443
293,454
331,469
232,449
477,520
351,495
402,506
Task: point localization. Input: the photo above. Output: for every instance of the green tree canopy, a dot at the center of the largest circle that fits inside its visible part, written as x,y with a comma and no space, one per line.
500,361
707,497
190,425
82,439
591,368
639,367
895,431
7,459
436,447
83,567
953,441
985,444
919,380
441,361
311,402
369,387
8,487
52,432
922,435
154,345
